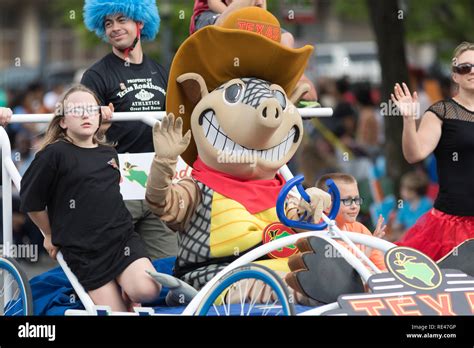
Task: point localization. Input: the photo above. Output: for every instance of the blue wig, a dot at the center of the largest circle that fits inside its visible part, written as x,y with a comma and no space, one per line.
144,11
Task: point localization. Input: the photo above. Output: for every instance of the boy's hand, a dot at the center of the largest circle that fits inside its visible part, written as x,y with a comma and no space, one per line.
380,228
50,248
320,201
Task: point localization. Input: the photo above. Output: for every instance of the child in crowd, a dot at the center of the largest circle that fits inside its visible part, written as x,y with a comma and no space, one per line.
346,219
210,12
414,203
207,12
71,192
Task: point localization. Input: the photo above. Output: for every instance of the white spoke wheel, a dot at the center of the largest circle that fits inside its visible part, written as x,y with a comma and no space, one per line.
250,290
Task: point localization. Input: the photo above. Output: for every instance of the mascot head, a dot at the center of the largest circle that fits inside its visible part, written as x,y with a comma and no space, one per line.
235,86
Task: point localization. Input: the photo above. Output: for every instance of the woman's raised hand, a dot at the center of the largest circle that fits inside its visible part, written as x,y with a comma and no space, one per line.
405,101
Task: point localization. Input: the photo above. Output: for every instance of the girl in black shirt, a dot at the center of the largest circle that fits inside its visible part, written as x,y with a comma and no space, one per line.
447,129
71,192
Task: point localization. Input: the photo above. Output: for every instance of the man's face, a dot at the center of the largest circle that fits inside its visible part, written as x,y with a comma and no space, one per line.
258,3
121,31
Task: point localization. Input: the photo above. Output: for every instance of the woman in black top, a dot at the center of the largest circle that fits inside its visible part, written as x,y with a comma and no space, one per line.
447,129
71,192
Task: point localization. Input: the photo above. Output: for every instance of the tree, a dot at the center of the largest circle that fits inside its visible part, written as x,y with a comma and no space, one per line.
445,24
387,22
439,22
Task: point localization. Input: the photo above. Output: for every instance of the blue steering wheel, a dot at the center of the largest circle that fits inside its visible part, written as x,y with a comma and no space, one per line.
305,222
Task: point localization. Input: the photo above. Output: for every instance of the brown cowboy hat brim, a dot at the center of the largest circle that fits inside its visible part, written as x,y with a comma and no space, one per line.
219,55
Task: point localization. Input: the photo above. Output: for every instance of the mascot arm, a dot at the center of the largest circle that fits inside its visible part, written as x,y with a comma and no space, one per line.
291,210
296,206
173,203
291,207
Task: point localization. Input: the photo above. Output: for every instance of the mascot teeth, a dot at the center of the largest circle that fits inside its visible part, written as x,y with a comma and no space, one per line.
221,142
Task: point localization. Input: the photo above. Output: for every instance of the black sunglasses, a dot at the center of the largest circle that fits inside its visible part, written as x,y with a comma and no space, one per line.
463,69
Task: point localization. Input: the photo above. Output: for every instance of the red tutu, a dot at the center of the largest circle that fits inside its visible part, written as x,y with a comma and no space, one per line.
437,233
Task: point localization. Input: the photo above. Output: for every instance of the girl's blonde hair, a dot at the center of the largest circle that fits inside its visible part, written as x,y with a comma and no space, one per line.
463,47
55,132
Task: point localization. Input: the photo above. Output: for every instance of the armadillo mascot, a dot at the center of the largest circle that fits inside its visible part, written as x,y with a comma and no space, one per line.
234,87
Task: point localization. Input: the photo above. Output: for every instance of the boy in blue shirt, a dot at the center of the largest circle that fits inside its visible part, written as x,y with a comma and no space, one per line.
415,203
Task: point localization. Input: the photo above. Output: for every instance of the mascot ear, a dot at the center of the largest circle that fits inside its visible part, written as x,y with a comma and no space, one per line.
193,86
301,89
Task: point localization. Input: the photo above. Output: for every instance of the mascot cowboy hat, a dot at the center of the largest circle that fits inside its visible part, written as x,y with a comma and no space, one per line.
247,44
144,11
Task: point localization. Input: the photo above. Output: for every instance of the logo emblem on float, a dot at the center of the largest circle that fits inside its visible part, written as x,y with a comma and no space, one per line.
277,230
413,268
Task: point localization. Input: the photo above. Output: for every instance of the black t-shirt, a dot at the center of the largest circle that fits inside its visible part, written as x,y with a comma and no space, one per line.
80,188
129,87
455,158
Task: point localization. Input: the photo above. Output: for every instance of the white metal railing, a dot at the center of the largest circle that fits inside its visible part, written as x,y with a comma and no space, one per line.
150,117
146,117
10,173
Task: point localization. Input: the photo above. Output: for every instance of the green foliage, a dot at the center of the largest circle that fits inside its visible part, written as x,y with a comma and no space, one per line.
180,17
445,23
69,14
425,20
273,6
351,10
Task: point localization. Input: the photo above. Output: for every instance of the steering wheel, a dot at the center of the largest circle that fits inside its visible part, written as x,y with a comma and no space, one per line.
304,221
